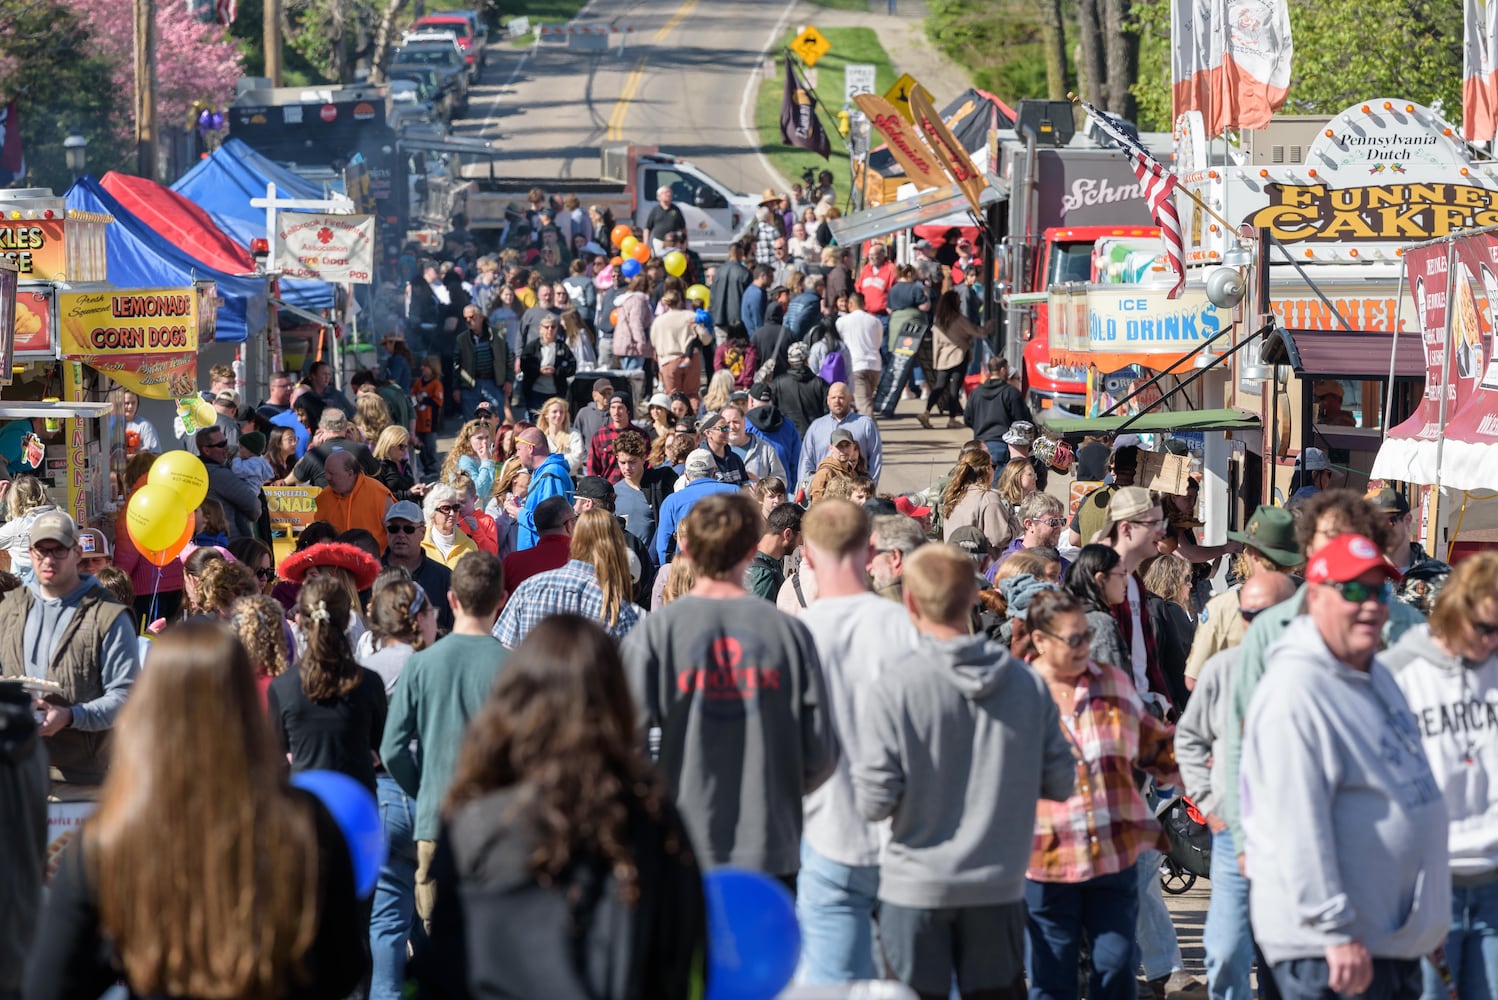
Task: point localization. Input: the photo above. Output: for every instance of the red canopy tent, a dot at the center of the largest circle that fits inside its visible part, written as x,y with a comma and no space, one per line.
182,222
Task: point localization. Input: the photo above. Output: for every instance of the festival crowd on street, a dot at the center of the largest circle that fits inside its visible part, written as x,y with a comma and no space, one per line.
649,613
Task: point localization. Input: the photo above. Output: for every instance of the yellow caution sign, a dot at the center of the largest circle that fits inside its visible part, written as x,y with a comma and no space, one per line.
899,95
810,45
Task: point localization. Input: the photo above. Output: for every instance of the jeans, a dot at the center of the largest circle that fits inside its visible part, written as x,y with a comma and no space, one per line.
1106,910
1307,978
1227,938
484,390
1471,945
1159,952
629,362
835,908
394,895
999,452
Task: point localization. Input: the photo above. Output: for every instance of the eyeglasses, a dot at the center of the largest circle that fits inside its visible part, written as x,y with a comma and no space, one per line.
1053,522
1150,522
402,529
1074,641
52,552
216,444
446,510
1356,591
264,575
1487,630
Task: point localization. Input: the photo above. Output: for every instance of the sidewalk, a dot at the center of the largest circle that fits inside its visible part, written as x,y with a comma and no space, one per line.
903,36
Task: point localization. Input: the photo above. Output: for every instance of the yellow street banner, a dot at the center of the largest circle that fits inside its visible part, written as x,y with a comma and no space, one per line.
949,151
908,149
899,95
810,45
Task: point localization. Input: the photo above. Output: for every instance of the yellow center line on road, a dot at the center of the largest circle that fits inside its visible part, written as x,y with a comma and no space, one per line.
677,18
626,95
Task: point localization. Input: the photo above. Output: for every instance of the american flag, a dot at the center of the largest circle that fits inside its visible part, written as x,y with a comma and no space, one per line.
226,10
1157,184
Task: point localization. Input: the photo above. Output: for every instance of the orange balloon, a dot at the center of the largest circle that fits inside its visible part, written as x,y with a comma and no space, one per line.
160,557
613,317
641,252
619,233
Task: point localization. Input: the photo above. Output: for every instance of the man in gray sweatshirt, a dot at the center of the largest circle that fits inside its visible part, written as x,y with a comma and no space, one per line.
67,629
1346,826
960,741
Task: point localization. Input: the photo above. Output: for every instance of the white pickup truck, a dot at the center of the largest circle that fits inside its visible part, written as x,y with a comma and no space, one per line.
630,175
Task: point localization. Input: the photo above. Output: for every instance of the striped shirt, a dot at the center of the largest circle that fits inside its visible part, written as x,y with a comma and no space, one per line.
1104,826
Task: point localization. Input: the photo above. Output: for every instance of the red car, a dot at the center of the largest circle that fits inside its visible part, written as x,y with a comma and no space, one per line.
462,26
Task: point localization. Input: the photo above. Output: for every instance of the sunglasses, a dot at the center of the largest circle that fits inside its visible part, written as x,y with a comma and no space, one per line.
265,574
1485,629
447,510
1356,591
403,529
1075,641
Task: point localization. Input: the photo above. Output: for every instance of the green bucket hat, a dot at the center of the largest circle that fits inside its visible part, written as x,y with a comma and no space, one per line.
1271,530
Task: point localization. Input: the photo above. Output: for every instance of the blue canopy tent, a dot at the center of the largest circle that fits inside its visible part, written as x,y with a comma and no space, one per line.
223,184
139,257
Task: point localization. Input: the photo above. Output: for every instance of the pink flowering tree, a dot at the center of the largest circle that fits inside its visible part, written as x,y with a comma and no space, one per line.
195,61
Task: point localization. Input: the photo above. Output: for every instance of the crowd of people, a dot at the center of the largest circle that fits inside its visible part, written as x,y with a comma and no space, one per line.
610,641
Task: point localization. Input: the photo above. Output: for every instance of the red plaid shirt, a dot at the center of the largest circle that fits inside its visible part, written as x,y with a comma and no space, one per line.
1104,826
601,458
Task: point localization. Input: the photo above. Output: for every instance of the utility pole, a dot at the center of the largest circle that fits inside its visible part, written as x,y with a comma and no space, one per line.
273,41
145,87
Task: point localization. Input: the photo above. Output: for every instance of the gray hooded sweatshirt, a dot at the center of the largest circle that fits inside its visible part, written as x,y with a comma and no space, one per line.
1346,825
961,740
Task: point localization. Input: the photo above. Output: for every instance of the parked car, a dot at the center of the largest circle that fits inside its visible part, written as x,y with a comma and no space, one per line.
429,83
443,55
464,29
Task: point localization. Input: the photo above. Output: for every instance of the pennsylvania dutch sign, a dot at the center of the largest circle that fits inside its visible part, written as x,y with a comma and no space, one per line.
325,247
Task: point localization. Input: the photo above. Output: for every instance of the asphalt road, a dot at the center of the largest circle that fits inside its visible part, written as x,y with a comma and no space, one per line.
682,78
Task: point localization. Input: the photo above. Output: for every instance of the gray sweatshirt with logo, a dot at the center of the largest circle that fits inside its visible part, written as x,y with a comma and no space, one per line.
736,689
960,741
1345,824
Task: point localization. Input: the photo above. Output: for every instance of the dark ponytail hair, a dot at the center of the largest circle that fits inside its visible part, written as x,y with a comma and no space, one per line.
393,612
1081,575
329,670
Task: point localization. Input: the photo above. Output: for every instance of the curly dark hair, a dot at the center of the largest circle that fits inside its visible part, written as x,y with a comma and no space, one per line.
1355,513
561,721
329,670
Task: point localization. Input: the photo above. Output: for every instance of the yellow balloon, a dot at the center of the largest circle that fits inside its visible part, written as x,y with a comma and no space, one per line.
628,246
676,263
204,413
701,295
182,474
155,516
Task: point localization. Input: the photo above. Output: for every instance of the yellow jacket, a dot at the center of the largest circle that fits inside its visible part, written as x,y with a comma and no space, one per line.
462,545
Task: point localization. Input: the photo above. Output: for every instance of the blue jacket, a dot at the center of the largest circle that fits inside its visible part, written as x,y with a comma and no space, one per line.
675,508
752,308
782,436
550,479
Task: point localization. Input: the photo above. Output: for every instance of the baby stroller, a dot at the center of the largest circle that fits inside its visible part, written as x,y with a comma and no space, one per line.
1190,852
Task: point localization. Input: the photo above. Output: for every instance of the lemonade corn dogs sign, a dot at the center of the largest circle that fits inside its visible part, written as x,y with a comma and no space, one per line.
144,339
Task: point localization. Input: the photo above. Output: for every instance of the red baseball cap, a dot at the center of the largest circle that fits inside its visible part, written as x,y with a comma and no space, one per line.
1348,557
908,507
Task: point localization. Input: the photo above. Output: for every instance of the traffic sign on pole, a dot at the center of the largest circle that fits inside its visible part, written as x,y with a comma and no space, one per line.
899,95
858,78
810,45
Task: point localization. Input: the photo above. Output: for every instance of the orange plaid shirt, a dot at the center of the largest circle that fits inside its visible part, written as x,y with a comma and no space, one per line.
1106,823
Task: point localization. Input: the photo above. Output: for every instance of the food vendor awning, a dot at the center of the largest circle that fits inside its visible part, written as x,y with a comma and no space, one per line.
1363,354
1154,422
226,180
136,256
180,220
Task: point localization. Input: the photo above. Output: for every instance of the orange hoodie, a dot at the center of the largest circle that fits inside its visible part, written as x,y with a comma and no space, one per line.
364,507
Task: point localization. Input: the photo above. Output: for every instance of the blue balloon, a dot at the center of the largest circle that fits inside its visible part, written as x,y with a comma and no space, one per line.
630,267
753,941
354,809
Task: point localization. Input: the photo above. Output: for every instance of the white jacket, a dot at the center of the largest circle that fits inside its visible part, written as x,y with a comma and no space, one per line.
1456,710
